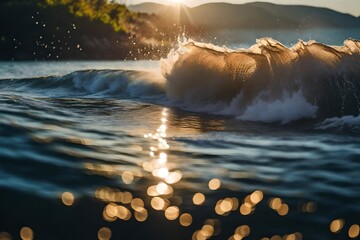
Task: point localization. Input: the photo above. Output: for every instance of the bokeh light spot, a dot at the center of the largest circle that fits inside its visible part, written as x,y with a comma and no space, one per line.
214,184
245,209
127,177
242,231
127,197
309,207
276,237
111,210
123,213
26,233
172,213
275,203
283,210
226,205
354,231
173,177
162,188
137,204
163,172
104,233
336,225
67,198
199,199
141,215
185,219
207,231
256,197
157,203
5,236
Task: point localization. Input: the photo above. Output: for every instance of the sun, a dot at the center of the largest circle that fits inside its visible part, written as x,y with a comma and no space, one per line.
176,1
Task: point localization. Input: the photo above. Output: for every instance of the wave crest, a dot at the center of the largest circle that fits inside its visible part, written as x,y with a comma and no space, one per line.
268,82
200,74
347,123
90,83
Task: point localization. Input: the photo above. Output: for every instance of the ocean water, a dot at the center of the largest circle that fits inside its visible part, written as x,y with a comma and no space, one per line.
210,143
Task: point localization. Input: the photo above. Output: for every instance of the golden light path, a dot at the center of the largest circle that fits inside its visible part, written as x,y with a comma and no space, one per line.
124,205
162,192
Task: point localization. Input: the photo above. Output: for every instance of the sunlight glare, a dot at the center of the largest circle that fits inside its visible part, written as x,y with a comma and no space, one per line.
176,1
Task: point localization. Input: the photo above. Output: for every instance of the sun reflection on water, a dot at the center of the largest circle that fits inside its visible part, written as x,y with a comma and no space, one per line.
161,194
122,205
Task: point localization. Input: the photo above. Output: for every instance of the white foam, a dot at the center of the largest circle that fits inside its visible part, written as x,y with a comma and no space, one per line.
290,107
346,122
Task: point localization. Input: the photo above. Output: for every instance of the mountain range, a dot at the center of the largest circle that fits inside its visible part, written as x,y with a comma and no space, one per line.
256,15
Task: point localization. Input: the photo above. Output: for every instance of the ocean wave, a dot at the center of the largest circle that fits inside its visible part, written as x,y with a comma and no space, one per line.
347,123
290,107
204,75
267,82
90,83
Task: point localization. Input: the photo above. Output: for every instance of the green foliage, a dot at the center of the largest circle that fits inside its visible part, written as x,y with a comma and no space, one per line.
80,29
111,13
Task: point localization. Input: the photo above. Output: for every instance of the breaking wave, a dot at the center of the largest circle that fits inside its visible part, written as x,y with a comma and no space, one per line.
345,123
289,108
267,82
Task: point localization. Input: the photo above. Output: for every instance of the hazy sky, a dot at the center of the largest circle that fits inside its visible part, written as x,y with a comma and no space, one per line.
346,6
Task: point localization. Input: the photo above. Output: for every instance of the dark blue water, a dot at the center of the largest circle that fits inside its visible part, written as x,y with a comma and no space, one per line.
92,155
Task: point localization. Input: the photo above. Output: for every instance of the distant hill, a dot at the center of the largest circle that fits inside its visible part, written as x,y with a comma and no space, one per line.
148,7
257,15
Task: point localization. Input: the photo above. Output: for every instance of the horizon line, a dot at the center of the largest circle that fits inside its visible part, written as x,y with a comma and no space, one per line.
127,3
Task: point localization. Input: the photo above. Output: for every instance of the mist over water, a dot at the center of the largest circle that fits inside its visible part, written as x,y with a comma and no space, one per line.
210,143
